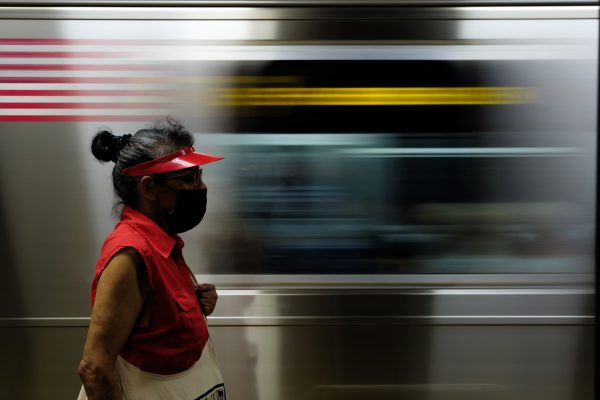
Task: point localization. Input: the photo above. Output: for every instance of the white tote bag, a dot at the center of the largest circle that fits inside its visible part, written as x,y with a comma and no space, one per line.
203,381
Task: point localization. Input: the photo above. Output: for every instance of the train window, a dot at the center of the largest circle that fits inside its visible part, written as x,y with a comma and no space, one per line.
392,167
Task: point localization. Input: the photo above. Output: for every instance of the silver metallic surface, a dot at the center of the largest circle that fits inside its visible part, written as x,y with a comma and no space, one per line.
463,299
434,282
305,3
358,306
245,12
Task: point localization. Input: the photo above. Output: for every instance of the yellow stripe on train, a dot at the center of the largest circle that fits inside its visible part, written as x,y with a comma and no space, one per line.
375,96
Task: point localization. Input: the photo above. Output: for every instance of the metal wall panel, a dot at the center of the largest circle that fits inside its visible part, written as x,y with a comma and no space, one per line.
424,334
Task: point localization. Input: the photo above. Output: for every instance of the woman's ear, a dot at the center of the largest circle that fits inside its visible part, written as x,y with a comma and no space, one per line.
147,189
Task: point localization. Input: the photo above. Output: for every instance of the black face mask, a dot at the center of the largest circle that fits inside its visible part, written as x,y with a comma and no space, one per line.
190,207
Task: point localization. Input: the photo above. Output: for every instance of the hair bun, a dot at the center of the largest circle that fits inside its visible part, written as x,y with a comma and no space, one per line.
106,146
121,141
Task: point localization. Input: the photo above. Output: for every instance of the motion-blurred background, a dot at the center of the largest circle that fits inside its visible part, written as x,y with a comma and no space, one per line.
406,209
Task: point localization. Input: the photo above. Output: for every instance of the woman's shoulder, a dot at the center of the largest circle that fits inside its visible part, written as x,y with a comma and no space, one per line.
124,235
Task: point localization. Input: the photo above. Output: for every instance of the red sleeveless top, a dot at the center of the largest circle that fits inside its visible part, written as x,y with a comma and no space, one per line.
177,333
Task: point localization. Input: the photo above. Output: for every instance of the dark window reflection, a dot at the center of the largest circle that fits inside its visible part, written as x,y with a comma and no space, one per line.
414,188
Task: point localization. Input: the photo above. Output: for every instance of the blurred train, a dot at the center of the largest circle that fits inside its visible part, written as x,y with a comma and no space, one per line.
406,209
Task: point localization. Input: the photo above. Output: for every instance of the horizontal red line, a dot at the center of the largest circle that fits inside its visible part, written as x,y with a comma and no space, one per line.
96,42
79,67
83,79
76,118
82,105
84,92
61,54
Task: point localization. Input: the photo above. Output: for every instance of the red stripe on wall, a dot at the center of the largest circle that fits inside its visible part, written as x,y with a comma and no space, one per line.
62,54
80,67
83,79
82,105
85,92
91,42
97,42
76,118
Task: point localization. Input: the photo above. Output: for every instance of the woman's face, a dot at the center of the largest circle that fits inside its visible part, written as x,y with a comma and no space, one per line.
169,184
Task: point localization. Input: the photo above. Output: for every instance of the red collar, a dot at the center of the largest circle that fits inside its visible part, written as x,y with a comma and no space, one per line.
151,231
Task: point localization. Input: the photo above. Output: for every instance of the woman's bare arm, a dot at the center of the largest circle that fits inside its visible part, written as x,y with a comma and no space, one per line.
120,295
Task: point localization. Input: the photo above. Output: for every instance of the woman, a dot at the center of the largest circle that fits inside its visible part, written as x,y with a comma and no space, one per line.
148,332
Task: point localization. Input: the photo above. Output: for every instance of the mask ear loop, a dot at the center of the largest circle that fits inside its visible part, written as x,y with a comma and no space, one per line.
158,182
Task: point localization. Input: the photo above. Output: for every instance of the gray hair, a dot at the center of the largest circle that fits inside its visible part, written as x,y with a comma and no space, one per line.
165,136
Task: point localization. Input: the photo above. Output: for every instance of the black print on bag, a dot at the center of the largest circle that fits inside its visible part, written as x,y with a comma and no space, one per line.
217,392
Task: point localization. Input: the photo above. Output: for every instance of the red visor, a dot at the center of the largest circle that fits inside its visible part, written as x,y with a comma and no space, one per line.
182,159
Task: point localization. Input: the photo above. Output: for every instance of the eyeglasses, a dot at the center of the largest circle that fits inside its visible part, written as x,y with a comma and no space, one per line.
192,176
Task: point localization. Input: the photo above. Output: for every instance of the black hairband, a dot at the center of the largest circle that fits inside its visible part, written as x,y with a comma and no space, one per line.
121,141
